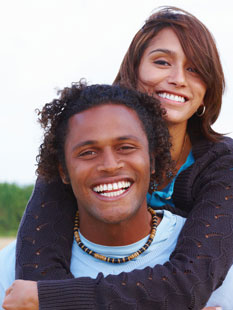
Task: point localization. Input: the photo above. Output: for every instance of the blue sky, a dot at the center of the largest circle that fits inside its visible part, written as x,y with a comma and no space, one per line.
47,44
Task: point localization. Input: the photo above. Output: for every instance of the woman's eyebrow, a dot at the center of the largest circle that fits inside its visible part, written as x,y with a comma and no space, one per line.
162,50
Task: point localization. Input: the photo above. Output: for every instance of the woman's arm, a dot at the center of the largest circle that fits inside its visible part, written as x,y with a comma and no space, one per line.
23,295
45,235
198,265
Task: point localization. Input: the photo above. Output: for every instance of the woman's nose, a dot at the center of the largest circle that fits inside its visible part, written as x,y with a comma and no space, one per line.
177,76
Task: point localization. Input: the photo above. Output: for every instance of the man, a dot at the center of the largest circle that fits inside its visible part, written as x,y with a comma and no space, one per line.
105,142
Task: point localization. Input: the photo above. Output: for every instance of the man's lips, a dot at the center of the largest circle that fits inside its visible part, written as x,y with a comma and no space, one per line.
113,189
172,96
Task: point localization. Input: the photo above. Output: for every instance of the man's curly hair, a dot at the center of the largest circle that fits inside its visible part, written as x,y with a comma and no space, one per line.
79,97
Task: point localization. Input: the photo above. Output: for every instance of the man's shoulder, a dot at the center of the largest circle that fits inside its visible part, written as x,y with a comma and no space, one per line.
7,265
8,251
170,226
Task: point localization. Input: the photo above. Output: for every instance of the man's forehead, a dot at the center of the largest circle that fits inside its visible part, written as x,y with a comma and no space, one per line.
107,116
111,121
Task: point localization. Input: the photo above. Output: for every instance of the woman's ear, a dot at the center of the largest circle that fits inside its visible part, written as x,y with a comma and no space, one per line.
63,175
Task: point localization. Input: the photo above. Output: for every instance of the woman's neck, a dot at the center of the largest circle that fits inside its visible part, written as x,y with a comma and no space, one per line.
181,144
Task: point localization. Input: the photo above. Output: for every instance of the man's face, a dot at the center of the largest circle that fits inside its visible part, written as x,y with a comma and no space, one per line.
107,159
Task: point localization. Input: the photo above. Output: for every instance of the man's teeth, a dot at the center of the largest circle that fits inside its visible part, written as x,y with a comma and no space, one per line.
113,194
172,97
112,189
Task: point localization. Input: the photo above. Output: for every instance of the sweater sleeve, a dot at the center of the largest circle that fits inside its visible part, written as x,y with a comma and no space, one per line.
45,235
199,264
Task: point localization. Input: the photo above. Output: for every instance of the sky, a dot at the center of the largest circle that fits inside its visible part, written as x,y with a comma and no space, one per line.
48,44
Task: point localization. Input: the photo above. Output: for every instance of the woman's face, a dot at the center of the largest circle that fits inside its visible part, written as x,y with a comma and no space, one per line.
165,72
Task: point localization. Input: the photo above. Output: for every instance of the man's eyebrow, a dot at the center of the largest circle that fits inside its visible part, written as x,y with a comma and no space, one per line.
93,142
162,50
84,143
129,137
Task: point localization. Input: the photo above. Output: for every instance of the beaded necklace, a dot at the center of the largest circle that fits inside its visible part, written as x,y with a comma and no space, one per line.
112,259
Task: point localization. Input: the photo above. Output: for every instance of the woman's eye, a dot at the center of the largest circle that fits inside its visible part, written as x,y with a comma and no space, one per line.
162,62
193,70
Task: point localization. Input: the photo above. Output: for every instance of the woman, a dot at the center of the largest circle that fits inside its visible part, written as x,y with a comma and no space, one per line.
173,57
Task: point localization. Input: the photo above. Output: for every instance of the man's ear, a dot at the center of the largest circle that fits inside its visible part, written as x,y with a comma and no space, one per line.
152,164
63,175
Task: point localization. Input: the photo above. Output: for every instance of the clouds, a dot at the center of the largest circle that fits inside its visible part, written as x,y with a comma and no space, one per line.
50,43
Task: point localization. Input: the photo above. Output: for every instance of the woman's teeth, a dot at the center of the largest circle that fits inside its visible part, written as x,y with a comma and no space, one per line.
112,189
172,97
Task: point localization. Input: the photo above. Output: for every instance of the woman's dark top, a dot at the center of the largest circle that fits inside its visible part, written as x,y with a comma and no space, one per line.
199,264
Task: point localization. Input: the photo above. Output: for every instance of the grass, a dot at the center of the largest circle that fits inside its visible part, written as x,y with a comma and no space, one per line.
9,233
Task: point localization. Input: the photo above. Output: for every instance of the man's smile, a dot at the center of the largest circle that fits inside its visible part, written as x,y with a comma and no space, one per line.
112,189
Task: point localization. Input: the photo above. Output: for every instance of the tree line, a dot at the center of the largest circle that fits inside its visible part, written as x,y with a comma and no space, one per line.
13,200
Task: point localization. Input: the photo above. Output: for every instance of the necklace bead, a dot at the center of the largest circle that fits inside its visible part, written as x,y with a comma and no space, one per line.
112,259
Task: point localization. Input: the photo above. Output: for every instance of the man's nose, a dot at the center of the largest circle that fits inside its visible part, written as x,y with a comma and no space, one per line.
109,161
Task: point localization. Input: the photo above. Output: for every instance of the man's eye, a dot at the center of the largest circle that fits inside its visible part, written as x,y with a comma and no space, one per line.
127,148
87,154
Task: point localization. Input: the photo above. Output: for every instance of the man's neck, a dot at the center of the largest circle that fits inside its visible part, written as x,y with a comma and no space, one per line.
119,234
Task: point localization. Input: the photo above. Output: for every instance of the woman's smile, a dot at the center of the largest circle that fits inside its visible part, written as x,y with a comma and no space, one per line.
172,97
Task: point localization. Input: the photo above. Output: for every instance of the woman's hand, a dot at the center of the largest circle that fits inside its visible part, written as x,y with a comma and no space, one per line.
21,295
